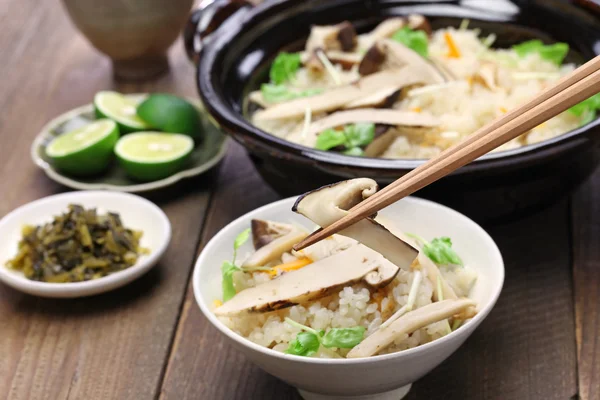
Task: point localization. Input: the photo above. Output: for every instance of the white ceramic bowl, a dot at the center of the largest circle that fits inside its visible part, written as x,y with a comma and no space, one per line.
381,377
136,213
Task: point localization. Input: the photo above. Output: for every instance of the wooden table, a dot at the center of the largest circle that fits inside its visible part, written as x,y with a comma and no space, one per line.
149,339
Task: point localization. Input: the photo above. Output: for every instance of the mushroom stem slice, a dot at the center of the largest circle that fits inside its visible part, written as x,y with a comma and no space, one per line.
408,323
328,204
338,97
369,115
319,279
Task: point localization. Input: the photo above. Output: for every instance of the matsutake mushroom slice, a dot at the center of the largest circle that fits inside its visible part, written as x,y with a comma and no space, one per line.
373,60
408,323
346,60
383,98
264,231
319,279
367,115
271,240
340,37
338,97
398,55
332,37
328,204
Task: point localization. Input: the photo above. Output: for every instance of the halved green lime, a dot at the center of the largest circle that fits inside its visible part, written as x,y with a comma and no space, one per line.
170,113
84,151
120,109
148,156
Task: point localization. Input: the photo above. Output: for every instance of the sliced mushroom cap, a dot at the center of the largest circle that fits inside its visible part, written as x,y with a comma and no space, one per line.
384,136
398,55
271,241
332,37
346,60
418,22
328,204
340,37
382,31
337,97
319,279
391,25
264,231
408,323
373,60
346,36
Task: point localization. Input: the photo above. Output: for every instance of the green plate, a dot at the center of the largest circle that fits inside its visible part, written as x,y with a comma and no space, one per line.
206,155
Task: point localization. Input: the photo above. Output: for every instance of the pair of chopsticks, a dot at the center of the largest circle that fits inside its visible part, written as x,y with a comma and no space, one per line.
572,89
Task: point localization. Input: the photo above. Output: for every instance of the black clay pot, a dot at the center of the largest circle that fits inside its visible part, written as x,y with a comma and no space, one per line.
235,58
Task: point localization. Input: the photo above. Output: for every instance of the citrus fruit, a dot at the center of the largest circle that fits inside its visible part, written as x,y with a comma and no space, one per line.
148,156
120,109
170,113
84,151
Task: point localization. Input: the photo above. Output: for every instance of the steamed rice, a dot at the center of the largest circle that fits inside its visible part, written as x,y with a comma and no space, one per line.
462,106
352,306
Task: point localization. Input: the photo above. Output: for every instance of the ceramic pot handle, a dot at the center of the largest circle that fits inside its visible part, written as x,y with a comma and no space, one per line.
593,6
205,19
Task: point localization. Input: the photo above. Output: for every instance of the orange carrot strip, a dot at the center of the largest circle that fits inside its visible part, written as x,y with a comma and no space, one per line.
291,266
453,51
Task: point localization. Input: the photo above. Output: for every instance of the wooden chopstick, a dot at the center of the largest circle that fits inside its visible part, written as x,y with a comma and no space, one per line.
572,89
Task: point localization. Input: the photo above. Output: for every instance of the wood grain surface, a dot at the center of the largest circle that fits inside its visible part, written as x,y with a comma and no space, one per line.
586,276
111,346
149,340
529,336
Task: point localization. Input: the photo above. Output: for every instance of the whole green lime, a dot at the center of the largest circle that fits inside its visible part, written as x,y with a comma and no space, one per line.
170,113
84,151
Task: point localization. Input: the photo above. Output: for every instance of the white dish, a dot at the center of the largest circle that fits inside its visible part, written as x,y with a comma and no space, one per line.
136,213
381,377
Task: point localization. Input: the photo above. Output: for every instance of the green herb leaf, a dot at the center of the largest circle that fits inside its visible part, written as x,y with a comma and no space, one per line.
239,241
555,53
330,138
279,93
415,40
305,344
360,134
352,137
587,109
284,67
227,270
588,117
354,151
344,338
440,251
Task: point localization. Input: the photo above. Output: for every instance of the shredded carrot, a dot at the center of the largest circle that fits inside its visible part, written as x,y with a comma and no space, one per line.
217,303
291,266
504,110
416,109
453,51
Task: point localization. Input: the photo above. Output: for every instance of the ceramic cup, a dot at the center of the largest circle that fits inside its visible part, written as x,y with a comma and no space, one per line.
135,34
